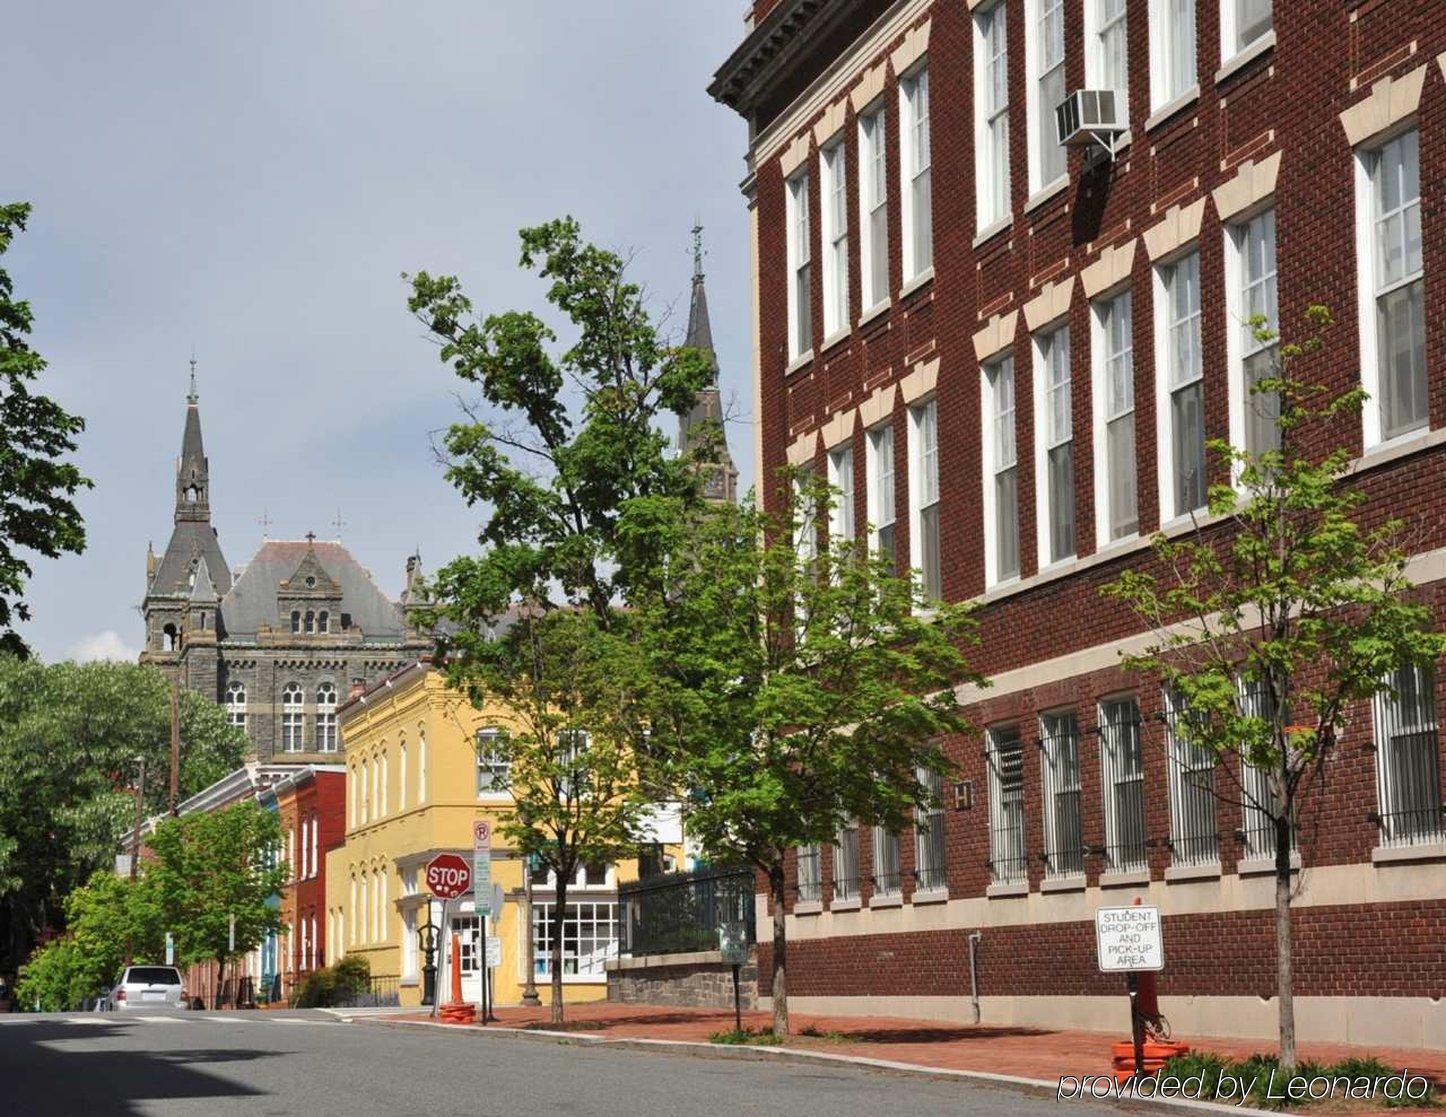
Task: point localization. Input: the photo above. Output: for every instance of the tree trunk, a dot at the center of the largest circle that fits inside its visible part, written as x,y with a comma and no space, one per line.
1284,979
559,918
780,952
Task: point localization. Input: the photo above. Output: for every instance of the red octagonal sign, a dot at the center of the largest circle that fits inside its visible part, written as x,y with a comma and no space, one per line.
448,876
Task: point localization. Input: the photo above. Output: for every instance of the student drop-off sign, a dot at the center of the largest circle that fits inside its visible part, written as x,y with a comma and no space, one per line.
1128,939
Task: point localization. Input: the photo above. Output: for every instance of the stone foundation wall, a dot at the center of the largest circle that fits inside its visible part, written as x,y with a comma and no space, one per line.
698,980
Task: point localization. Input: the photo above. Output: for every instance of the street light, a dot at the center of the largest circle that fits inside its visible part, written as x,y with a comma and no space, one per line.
140,817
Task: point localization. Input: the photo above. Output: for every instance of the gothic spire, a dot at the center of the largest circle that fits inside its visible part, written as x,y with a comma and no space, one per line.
700,329
193,481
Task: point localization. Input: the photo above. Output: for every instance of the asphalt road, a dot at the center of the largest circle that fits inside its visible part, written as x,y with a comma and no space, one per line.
310,1063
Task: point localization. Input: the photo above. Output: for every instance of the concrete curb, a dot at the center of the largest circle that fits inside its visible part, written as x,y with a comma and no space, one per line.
748,1053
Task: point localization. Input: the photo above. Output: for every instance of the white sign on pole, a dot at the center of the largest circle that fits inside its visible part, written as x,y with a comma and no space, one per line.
231,935
494,952
1129,939
482,866
170,949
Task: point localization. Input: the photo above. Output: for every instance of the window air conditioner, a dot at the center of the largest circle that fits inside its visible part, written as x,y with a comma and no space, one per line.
1089,116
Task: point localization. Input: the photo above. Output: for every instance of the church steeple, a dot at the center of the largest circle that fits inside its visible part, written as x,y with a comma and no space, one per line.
707,412
193,479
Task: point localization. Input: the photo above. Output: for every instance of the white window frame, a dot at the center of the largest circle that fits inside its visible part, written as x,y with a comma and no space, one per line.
808,866
915,173
1241,292
421,768
1166,325
1104,412
293,715
1371,288
842,517
994,466
873,201
1166,86
326,724
1062,794
931,838
882,495
1408,711
1097,63
887,878
1230,44
1043,133
402,763
1121,744
1194,825
236,705
834,215
1047,388
1008,851
493,769
924,496
991,120
847,877
599,915
800,267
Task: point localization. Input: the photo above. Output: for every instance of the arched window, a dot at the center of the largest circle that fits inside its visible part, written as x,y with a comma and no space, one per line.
326,718
295,621
236,705
193,494
323,621
168,638
291,715
310,621
402,775
314,843
421,768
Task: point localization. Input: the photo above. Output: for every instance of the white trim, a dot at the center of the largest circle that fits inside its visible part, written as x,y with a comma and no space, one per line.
1164,94
1039,394
925,276
1095,62
990,213
1171,107
1245,55
1039,119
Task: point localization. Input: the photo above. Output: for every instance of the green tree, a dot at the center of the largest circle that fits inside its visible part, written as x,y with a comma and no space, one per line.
1272,628
571,747
70,736
213,868
37,487
797,689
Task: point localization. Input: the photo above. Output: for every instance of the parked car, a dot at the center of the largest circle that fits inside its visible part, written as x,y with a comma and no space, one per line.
148,987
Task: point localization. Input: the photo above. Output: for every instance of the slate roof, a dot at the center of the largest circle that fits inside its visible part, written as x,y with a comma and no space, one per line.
252,602
191,537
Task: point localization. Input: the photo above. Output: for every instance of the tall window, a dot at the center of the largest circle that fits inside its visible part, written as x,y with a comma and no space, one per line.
1257,802
323,621
572,745
991,98
422,768
1001,482
810,873
874,207
1107,50
315,844
1185,390
381,905
1008,860
326,718
841,480
834,198
493,768
924,478
589,938
236,705
886,862
880,469
310,622
1045,39
1172,50
915,163
1194,838
846,864
1123,771
1059,771
1116,497
1396,378
1055,441
930,869
1242,22
800,269
295,622
1408,759
402,763
1252,245
291,717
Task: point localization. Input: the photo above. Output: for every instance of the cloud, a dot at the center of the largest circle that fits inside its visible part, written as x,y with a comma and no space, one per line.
103,645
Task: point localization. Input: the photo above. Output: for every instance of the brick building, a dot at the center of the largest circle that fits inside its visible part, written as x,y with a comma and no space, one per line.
1008,354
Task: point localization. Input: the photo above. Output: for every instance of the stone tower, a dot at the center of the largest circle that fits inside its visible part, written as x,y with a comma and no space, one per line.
707,413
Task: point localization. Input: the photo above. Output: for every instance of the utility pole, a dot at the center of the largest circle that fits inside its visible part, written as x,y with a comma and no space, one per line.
140,818
175,749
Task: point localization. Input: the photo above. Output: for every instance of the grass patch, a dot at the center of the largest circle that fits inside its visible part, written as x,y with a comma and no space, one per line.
832,1037
749,1037
565,1026
1347,1084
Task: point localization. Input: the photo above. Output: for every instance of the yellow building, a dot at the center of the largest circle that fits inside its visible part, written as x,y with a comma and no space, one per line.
418,774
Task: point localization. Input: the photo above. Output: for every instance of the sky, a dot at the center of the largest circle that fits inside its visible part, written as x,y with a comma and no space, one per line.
252,180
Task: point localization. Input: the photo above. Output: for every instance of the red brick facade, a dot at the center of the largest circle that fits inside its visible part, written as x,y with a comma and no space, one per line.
796,69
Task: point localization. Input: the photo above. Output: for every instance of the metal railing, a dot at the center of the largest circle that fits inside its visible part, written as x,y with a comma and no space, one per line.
379,992
681,912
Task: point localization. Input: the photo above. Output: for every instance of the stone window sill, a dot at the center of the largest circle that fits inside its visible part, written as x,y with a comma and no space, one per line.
992,230
836,338
844,905
935,896
807,907
925,276
1402,446
892,901
1395,855
1179,874
1045,193
1003,889
874,311
803,360
1264,866
1245,56
1170,108
1125,878
1063,884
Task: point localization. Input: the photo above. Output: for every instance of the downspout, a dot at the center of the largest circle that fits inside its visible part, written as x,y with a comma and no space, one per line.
974,938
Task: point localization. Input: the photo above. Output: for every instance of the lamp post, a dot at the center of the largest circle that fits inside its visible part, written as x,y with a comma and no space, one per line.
529,990
140,817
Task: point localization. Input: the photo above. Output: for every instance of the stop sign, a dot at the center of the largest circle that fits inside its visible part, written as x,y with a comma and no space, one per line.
448,876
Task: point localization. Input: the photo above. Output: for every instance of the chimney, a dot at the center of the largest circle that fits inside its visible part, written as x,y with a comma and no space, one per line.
358,686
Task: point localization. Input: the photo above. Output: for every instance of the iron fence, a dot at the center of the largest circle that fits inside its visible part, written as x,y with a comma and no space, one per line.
680,912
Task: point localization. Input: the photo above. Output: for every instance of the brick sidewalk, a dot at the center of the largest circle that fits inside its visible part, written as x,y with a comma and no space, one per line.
1022,1052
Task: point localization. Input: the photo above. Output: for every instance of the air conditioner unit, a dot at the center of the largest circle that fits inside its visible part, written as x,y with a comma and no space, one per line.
1089,116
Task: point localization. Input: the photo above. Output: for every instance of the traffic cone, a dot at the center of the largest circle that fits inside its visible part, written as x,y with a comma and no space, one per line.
458,1011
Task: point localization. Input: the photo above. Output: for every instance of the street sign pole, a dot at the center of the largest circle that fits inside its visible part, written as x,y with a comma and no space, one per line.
482,960
1129,940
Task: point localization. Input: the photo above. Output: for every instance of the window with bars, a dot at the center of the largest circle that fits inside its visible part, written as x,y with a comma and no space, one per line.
292,703
834,203
846,864
1060,779
493,766
915,160
1255,254
886,862
880,468
874,207
841,480
810,873
924,477
800,269
1398,285
326,740
1257,830
1194,836
1056,433
1002,473
589,938
1123,778
1008,860
1408,759
991,98
930,870
1115,384
1046,35
1185,385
